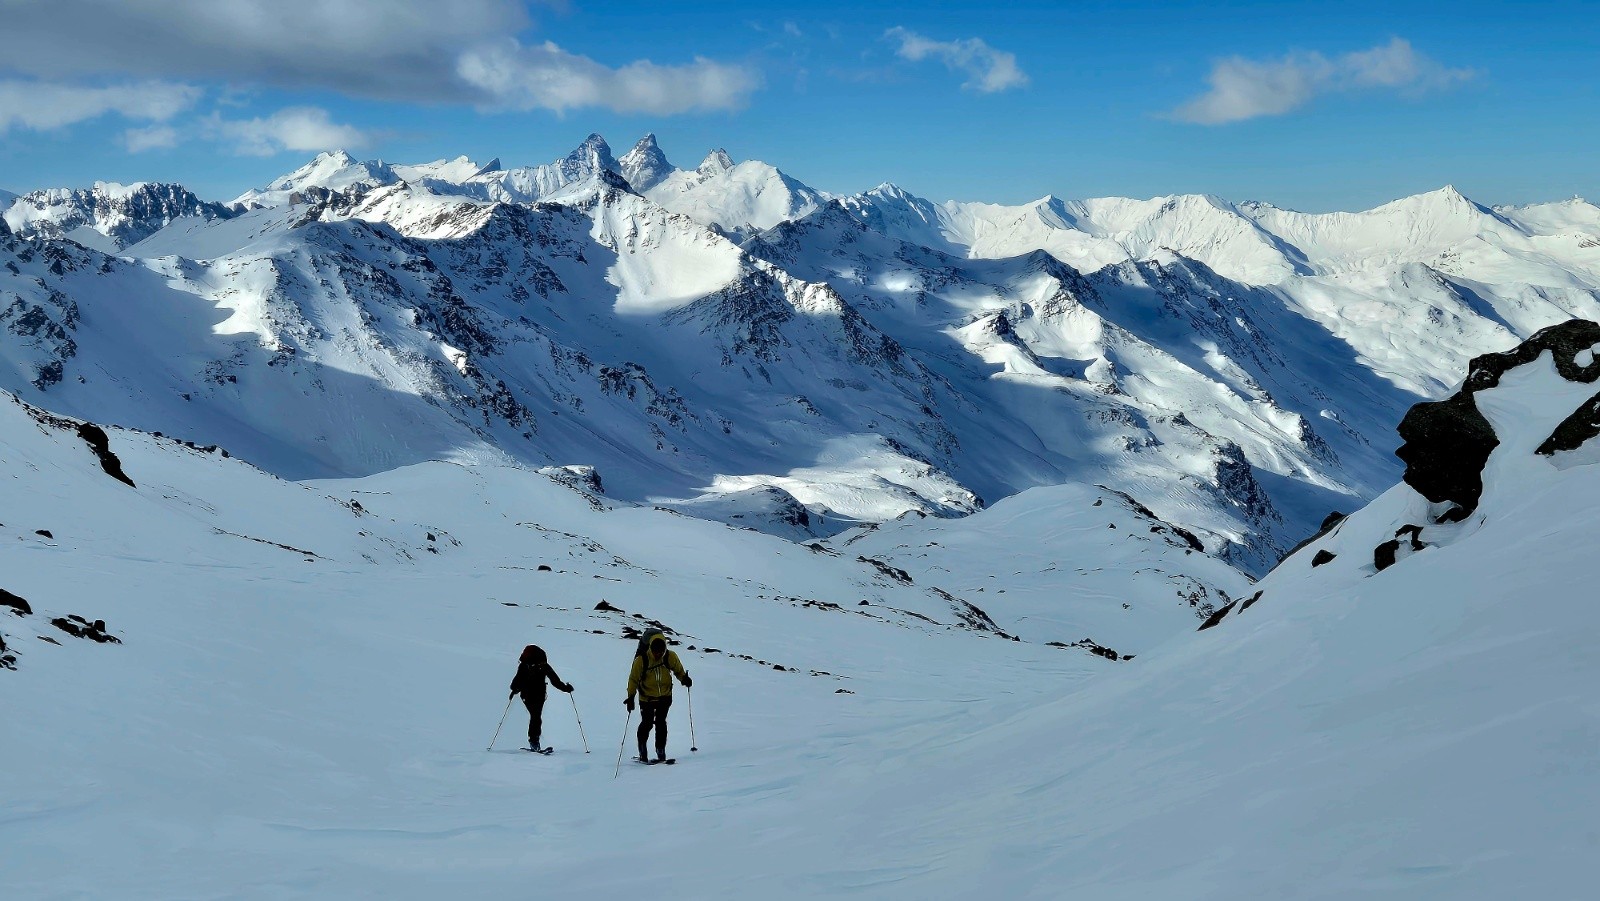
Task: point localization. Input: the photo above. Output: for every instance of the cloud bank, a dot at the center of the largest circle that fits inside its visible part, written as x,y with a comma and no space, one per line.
544,76
1247,89
41,106
395,50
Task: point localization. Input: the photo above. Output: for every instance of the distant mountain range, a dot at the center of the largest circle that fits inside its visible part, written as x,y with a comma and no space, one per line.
731,343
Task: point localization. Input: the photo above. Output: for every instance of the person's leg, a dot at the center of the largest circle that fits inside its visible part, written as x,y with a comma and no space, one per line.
535,705
661,726
645,713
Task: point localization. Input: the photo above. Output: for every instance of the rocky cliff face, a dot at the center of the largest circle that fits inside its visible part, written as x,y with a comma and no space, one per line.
123,215
1448,442
1522,423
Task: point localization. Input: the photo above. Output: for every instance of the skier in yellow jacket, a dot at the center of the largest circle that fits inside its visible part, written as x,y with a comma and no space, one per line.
651,680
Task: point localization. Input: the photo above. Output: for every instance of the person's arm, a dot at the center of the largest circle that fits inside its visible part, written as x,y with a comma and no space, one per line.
676,666
634,675
516,682
555,679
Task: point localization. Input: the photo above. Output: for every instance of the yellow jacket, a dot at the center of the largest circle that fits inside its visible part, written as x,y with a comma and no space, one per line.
652,679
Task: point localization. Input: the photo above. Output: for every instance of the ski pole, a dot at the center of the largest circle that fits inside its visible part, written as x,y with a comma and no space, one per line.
624,745
580,724
693,744
502,723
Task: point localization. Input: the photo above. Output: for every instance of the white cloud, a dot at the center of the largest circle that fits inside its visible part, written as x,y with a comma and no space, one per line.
387,49
154,137
1246,89
988,70
405,50
42,106
300,128
544,76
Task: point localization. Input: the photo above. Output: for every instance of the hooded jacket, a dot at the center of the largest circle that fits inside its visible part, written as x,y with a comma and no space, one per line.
651,677
532,671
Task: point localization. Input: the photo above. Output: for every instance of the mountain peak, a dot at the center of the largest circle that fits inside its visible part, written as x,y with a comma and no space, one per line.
716,161
593,155
645,166
891,191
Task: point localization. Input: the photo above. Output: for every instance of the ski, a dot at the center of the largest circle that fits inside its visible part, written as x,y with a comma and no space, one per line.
669,761
545,751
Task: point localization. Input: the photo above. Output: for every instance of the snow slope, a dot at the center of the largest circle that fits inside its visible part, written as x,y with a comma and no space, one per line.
735,198
307,677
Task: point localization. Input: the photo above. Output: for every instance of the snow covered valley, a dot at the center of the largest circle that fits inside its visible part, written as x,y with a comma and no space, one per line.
307,676
968,521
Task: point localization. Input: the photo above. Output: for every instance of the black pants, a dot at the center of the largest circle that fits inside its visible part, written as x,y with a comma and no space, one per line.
653,713
535,705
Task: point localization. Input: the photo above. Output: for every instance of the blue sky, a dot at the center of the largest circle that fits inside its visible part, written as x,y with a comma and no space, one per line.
1310,105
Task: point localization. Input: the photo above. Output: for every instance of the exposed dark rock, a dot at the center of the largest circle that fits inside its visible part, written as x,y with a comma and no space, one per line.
1092,647
609,607
1323,556
1385,555
1328,524
18,606
95,437
1249,602
1573,431
1448,442
1216,617
78,627
44,533
899,575
971,615
544,568
1189,537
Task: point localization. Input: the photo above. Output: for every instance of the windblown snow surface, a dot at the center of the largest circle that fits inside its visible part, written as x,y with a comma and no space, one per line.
308,675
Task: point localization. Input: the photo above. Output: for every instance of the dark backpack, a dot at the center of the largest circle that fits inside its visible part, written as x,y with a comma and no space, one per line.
645,639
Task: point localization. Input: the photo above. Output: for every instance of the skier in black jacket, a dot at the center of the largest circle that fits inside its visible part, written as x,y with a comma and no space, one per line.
532,672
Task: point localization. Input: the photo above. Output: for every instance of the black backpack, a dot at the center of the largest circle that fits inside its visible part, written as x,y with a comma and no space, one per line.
646,638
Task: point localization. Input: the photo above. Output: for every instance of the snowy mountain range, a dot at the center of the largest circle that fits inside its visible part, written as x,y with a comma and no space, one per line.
731,343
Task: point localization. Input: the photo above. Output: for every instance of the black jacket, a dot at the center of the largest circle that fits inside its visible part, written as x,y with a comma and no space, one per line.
531,677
